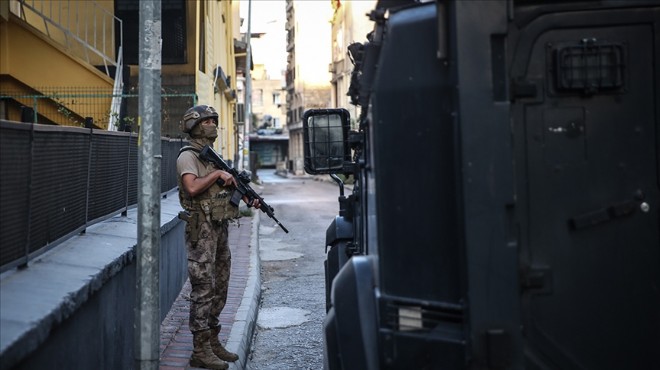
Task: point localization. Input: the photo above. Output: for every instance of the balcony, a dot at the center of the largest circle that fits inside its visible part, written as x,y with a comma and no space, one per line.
79,43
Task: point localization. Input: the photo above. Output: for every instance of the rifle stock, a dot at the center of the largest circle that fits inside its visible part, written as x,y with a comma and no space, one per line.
242,184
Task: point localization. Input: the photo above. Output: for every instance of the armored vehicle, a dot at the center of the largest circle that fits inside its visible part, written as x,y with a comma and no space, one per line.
504,213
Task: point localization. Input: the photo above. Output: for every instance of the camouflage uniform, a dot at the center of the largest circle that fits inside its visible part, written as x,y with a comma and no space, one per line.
209,258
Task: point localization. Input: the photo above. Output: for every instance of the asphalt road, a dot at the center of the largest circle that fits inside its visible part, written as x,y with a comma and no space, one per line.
288,334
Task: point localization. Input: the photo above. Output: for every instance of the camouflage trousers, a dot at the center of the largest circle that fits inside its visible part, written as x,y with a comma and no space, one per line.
209,264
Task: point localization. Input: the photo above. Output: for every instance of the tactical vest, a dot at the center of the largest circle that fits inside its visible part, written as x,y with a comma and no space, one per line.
214,202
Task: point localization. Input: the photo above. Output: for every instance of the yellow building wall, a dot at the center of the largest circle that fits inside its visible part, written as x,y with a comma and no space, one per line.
91,22
24,52
31,62
224,57
221,25
218,22
37,62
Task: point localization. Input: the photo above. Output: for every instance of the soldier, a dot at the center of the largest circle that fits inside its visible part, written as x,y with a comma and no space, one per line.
209,258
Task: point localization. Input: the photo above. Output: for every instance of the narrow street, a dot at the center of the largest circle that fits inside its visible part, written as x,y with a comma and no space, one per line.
288,334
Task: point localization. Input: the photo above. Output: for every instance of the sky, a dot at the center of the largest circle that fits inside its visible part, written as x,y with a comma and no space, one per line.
269,17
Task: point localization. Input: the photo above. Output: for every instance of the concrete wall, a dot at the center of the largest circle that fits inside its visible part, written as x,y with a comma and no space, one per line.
73,308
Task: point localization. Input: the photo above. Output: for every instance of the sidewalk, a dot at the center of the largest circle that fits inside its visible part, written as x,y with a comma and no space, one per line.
240,313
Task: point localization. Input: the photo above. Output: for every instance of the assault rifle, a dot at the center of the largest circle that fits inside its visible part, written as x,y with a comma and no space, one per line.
243,188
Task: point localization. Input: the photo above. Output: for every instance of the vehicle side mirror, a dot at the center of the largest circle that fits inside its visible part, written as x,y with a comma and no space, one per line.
325,133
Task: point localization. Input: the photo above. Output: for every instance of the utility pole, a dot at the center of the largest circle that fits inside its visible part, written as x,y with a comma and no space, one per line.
248,92
147,303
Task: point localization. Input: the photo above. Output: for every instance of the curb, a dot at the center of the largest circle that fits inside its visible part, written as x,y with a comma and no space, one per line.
240,337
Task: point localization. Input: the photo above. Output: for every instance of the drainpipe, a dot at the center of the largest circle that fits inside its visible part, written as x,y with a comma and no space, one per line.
147,303
248,92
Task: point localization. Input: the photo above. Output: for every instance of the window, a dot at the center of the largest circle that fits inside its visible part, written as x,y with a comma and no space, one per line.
258,97
173,30
276,98
202,38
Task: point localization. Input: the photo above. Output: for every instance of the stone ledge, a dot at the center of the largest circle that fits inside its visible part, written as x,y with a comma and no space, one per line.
36,299
240,337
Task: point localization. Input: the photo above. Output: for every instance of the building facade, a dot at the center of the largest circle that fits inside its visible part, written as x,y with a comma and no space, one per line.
198,58
268,101
59,61
51,51
307,78
269,137
350,24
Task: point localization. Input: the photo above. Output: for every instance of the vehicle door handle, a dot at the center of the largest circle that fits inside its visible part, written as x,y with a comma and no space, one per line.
609,213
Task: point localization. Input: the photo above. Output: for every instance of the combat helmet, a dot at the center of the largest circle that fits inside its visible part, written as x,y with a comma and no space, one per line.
197,114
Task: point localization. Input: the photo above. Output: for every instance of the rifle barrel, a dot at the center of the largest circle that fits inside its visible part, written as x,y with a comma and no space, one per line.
209,155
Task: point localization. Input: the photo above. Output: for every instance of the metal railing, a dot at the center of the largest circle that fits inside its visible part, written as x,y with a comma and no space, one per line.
81,107
117,89
57,181
84,28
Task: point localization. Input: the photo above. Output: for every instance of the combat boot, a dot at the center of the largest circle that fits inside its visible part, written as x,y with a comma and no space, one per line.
203,355
219,349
